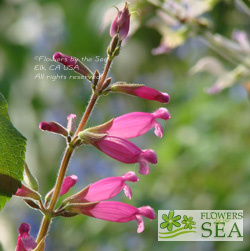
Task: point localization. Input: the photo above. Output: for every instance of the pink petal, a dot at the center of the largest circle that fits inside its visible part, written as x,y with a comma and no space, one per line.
123,33
115,211
127,190
137,123
131,125
126,152
68,182
162,113
150,156
119,149
19,244
130,176
146,156
143,167
24,229
29,243
114,26
140,224
105,189
158,130
147,212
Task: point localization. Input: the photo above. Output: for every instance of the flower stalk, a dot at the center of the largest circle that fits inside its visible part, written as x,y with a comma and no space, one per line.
68,153
91,201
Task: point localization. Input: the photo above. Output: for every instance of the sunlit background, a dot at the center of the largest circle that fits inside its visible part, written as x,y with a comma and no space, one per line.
204,160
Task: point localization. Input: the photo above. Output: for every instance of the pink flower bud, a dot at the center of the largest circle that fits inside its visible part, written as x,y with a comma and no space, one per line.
53,127
68,182
25,191
126,152
25,241
71,127
121,23
135,124
114,211
73,63
104,189
141,91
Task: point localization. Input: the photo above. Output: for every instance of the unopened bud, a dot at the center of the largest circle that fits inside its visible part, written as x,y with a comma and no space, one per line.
71,127
106,83
73,63
95,78
140,91
121,22
53,127
113,44
25,191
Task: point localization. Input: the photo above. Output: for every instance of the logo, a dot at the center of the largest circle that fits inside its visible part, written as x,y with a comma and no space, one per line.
200,225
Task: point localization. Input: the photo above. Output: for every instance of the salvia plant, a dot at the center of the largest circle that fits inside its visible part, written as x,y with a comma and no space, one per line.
111,137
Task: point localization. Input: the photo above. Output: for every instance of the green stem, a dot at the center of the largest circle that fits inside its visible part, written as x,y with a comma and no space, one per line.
87,113
66,158
47,217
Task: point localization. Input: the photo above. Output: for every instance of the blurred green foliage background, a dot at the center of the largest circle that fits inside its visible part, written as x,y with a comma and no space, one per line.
204,160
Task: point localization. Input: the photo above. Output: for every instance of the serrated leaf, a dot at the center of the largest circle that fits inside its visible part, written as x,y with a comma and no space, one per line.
12,155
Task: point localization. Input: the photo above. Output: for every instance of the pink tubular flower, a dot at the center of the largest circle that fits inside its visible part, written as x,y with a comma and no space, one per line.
114,211
121,23
104,189
25,191
73,63
140,91
126,152
53,127
137,123
68,182
25,241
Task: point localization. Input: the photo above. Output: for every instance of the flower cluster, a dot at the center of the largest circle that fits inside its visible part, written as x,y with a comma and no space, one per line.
111,138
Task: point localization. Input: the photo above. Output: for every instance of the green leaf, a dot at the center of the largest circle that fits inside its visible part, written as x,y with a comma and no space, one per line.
12,155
